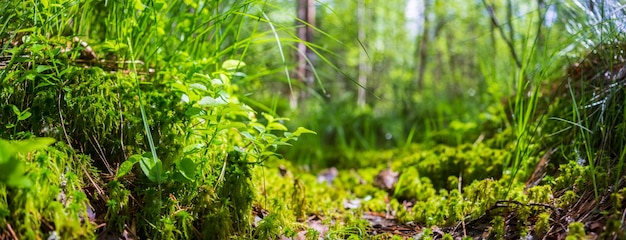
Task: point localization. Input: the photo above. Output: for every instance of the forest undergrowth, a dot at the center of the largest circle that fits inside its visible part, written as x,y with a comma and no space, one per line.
161,120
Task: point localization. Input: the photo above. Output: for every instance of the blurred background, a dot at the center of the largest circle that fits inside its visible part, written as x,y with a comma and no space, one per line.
372,74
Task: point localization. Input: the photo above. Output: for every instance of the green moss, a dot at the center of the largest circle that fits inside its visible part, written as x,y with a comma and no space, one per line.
543,224
497,228
576,231
298,201
217,224
411,186
427,234
472,162
269,227
613,229
55,202
568,198
376,203
236,192
540,194
312,234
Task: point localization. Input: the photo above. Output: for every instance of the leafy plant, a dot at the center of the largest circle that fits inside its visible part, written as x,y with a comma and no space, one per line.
19,116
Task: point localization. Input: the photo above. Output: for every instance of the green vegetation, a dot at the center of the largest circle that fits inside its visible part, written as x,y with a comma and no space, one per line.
188,120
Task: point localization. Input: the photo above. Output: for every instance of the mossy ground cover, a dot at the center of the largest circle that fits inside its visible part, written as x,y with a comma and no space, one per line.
428,201
128,120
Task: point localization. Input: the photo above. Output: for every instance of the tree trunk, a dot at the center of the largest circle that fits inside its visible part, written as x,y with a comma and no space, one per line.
422,49
363,67
306,13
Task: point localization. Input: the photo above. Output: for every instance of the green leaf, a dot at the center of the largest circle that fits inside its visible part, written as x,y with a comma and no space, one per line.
4,211
127,165
232,65
281,143
259,128
153,170
191,148
179,87
198,86
178,177
20,182
15,110
269,118
159,4
193,111
45,83
11,172
36,48
248,135
24,116
30,145
138,5
237,125
6,151
7,168
239,149
187,168
42,68
302,130
269,154
211,102
146,165
276,126
31,29
157,172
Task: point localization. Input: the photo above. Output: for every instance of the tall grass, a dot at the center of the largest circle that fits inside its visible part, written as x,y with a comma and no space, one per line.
597,107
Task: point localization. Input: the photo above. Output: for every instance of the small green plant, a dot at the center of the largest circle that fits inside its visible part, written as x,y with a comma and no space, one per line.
298,200
19,116
542,226
312,234
576,231
268,228
497,227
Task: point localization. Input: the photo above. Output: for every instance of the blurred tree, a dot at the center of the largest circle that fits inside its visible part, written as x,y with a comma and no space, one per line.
421,52
363,58
306,24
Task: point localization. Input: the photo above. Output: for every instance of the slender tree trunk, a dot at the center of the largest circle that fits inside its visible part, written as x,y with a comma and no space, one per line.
363,68
422,49
508,40
542,10
306,13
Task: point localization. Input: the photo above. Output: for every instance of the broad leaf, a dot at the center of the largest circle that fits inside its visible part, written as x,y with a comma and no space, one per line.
127,165
24,116
146,165
187,168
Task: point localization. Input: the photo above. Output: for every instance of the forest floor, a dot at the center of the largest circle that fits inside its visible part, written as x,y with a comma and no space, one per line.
365,203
